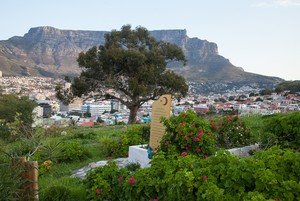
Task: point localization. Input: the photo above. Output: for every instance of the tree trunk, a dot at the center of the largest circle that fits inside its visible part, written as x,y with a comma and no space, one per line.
132,114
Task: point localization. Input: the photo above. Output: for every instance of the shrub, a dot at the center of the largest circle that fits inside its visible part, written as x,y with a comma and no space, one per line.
270,175
283,130
131,136
188,134
74,151
106,183
231,132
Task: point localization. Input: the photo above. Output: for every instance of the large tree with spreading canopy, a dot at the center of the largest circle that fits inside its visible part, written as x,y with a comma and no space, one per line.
131,67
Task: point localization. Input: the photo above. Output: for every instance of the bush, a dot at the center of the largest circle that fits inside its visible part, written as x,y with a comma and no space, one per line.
74,151
231,132
283,130
55,193
188,134
106,183
132,136
270,175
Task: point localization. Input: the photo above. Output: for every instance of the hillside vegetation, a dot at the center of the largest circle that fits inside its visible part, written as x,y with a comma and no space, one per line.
190,164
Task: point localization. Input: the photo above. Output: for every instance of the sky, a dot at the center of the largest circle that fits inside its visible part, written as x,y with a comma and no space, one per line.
261,36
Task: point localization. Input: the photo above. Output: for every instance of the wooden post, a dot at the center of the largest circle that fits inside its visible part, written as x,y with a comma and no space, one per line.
29,178
32,180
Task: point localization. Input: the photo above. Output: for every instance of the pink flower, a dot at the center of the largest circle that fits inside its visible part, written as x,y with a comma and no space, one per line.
183,154
196,139
131,180
185,137
205,156
191,134
193,125
208,134
155,199
98,191
184,114
186,147
120,178
179,132
204,178
198,150
200,131
200,135
183,123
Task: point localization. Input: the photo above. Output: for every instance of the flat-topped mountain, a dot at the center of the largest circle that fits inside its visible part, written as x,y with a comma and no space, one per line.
51,52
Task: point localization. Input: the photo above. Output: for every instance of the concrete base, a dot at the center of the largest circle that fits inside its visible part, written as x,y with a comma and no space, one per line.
139,155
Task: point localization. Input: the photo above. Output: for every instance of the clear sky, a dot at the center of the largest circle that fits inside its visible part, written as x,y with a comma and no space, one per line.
261,36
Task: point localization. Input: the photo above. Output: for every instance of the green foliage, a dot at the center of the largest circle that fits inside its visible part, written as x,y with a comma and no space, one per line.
268,175
292,86
51,150
231,132
54,193
283,130
133,64
10,182
11,106
74,151
188,134
105,183
120,147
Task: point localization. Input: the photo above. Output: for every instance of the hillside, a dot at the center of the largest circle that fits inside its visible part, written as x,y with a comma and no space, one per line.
51,52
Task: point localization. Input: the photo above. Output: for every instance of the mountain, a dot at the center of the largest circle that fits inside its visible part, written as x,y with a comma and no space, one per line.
51,52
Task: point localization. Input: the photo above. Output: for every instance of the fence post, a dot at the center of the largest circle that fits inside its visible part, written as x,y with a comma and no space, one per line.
29,178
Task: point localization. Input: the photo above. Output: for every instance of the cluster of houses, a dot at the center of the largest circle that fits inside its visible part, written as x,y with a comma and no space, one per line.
91,111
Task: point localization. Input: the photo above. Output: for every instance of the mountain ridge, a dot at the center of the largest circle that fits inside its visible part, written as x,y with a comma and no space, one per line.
52,52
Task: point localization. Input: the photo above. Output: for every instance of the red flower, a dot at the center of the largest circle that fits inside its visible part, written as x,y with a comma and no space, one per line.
184,114
185,137
183,154
155,199
186,147
204,178
198,150
120,178
200,135
196,139
193,125
131,180
98,191
200,131
208,134
179,132
205,156
191,134
183,123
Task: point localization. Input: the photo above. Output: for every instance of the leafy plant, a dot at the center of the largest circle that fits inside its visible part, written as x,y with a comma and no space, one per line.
231,132
188,134
74,151
283,130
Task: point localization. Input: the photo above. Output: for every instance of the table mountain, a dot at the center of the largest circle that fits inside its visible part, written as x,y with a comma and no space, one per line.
47,51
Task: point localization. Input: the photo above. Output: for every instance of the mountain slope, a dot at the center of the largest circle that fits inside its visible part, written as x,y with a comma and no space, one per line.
47,51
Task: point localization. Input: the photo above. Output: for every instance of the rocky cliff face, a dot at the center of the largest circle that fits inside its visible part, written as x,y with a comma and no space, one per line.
47,51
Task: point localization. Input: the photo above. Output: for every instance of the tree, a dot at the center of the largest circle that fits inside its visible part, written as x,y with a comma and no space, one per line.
13,108
131,67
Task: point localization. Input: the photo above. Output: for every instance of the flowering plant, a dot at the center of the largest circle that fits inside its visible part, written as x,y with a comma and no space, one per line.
188,134
231,132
